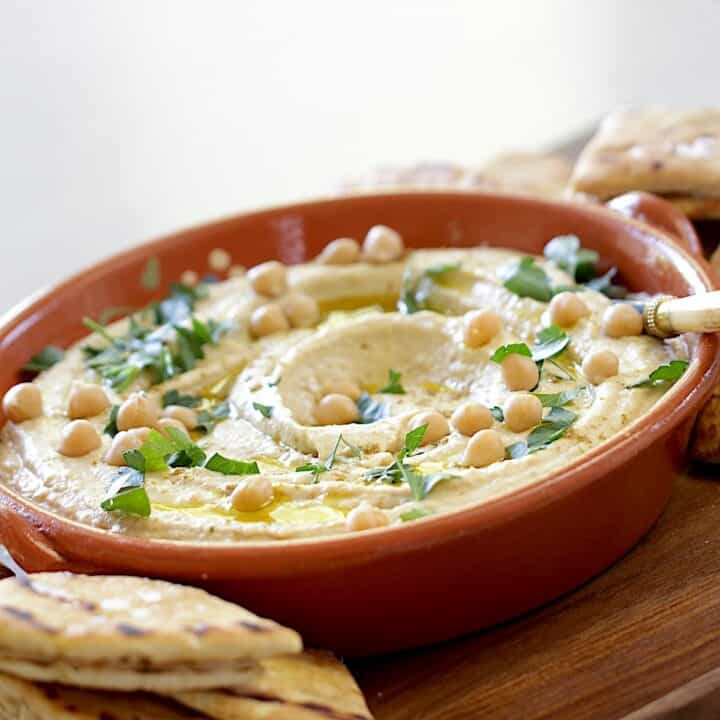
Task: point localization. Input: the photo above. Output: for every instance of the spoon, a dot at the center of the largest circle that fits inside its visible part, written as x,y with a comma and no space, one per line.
667,316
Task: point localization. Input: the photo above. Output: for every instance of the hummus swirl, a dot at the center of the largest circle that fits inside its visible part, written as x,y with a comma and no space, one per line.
360,337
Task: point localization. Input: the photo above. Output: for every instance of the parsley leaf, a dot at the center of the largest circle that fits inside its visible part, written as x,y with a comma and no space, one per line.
513,348
415,292
497,412
370,410
414,514
320,467
663,376
578,262
45,359
526,279
559,399
393,384
227,466
208,419
111,428
264,410
126,494
552,428
550,341
174,397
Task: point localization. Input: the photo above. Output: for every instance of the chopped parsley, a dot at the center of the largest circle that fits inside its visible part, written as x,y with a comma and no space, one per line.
553,427
399,471
578,262
559,399
45,359
370,410
174,397
663,376
111,428
550,342
512,349
414,514
497,412
227,466
126,493
209,418
393,385
527,279
320,467
264,410
415,292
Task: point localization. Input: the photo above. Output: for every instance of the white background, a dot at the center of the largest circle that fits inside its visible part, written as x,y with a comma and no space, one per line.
123,119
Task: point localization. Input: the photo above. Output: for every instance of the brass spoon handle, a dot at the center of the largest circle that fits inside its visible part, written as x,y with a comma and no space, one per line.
667,316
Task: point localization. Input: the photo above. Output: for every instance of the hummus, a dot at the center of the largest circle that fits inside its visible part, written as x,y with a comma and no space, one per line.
272,386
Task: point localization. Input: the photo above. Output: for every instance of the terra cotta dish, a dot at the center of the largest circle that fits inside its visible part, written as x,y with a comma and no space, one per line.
420,583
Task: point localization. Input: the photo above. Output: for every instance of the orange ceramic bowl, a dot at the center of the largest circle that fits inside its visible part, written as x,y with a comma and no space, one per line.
427,581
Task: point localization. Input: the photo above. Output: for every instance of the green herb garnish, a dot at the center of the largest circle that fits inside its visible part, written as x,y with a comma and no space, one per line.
45,359
174,397
111,428
663,376
393,384
264,410
370,410
150,278
576,261
227,466
320,467
559,399
497,412
126,494
415,292
550,341
527,279
552,428
414,514
512,349
209,418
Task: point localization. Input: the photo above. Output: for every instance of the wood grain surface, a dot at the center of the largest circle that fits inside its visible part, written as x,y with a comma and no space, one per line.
640,641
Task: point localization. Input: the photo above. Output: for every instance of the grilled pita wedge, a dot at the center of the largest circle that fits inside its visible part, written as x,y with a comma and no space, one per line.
310,686
128,633
22,700
671,153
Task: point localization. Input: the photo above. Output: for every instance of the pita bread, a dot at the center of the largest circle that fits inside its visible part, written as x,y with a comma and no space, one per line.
537,174
671,153
310,686
21,700
129,633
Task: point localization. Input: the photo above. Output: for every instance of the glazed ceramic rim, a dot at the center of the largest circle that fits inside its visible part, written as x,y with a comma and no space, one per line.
668,413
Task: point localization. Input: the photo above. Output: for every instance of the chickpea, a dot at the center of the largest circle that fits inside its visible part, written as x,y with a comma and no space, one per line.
621,320
139,410
519,372
336,409
79,437
365,517
124,441
23,402
252,494
481,326
522,411
87,400
484,448
268,278
471,417
600,365
382,244
267,320
190,278
342,251
219,260
437,426
237,271
301,310
344,387
164,423
187,416
566,308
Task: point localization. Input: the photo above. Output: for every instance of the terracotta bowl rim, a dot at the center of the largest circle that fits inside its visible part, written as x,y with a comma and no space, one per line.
674,407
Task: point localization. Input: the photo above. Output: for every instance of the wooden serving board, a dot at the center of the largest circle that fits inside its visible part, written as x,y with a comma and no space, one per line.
640,641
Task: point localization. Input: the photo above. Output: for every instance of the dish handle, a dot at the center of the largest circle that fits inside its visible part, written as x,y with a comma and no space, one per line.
655,211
